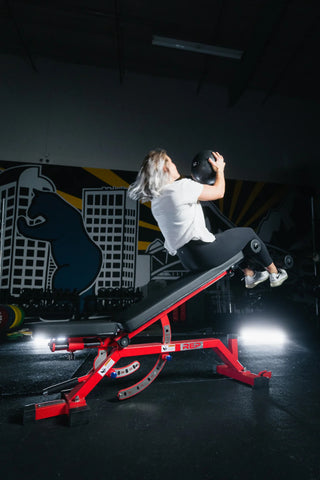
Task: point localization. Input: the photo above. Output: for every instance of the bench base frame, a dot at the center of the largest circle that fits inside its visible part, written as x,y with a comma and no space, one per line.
112,349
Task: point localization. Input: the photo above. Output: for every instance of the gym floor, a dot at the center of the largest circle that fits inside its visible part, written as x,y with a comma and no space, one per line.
188,423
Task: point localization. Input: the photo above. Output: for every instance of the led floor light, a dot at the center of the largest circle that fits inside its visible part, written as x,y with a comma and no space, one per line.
196,47
263,336
41,340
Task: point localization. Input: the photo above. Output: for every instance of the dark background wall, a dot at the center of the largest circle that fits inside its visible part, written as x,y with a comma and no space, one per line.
81,115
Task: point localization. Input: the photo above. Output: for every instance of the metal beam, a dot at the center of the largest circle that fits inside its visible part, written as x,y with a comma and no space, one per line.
302,37
214,39
119,41
104,14
20,35
270,17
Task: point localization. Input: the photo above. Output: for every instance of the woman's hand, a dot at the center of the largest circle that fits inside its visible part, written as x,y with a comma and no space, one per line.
216,191
218,164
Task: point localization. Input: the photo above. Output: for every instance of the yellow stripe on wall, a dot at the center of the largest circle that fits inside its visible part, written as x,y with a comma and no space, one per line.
149,225
253,195
143,245
75,201
108,176
272,201
235,196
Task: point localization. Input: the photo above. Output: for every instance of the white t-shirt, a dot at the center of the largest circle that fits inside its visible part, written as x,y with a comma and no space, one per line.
180,215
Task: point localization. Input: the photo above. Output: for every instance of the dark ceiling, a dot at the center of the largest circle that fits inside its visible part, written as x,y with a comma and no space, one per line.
279,40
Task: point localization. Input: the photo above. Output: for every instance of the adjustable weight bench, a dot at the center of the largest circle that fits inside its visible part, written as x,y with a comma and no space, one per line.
113,341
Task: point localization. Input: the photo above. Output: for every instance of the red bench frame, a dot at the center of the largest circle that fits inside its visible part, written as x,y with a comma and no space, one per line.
112,348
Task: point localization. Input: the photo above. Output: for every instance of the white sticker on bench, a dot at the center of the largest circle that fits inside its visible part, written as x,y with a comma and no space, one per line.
168,348
106,367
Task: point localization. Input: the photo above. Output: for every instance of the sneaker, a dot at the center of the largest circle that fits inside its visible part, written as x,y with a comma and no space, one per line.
257,278
277,279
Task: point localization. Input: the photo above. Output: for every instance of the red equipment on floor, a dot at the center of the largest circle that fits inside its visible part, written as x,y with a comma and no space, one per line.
113,341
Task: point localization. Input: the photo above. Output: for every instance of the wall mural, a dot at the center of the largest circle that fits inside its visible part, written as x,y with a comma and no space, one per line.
72,243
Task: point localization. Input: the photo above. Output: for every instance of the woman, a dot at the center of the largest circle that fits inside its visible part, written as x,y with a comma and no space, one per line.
176,208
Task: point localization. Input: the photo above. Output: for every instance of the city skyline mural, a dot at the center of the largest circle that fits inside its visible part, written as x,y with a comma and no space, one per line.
75,229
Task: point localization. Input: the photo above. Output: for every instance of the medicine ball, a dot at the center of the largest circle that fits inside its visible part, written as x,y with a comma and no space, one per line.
201,169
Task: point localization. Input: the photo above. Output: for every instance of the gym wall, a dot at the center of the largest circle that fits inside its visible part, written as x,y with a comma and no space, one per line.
70,134
75,229
81,116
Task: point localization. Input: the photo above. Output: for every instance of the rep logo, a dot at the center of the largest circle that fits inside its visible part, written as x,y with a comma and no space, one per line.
191,345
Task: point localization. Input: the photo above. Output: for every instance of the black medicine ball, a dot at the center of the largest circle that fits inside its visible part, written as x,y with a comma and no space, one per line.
201,170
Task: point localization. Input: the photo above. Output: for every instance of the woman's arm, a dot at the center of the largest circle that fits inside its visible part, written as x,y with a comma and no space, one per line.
216,191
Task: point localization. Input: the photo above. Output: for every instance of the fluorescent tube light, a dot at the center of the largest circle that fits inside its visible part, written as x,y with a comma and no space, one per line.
196,47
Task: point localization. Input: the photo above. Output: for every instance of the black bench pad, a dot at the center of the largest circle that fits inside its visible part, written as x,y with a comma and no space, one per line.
165,298
82,328
139,313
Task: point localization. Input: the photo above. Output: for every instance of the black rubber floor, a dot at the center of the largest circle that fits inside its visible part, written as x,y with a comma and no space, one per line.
188,424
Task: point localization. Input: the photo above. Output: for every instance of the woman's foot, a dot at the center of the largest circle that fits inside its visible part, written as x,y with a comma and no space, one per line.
252,281
277,279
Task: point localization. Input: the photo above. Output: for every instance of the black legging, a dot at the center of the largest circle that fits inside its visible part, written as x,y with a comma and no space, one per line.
199,255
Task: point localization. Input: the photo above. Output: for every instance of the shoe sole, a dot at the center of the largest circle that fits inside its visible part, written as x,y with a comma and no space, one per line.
256,283
278,283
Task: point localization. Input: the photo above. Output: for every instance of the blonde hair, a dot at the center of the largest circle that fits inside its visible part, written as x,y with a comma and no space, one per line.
151,178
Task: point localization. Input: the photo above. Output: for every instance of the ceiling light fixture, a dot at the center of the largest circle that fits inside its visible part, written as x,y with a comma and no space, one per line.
196,47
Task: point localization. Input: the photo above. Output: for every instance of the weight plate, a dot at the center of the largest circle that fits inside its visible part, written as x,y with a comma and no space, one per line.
11,316
18,316
4,317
